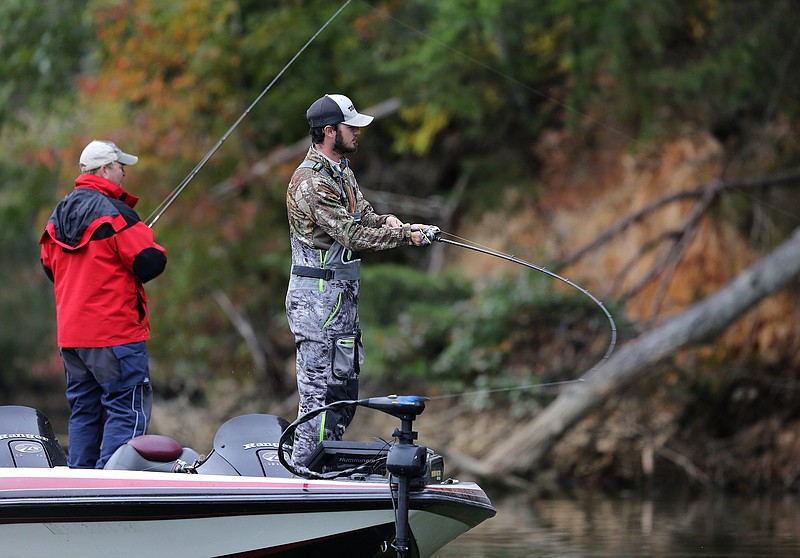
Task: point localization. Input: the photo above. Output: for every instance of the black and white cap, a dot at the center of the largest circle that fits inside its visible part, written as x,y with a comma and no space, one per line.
335,109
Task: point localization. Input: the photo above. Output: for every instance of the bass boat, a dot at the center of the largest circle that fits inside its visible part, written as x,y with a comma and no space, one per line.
244,499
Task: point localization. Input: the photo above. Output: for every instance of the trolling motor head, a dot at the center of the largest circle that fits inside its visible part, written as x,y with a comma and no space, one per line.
401,406
405,458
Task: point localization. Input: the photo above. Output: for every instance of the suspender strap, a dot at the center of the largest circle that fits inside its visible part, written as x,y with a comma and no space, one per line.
316,167
315,272
326,274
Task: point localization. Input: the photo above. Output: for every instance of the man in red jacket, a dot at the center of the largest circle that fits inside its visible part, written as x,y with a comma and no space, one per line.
99,253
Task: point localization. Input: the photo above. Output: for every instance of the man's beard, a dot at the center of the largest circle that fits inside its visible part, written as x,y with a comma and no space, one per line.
340,147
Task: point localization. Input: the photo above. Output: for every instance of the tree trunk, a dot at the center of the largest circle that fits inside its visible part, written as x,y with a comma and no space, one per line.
524,449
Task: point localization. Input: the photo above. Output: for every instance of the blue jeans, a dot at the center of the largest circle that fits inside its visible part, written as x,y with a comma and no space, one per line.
109,393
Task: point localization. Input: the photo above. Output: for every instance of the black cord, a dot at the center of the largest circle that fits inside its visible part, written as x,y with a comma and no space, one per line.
305,472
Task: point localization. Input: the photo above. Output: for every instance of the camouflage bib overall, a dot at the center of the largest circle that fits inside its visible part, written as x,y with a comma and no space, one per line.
322,308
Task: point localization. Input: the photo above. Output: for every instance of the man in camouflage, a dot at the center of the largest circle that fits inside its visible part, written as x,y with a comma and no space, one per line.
330,223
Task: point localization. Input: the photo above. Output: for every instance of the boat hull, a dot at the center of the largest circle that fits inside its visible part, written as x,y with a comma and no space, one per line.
90,513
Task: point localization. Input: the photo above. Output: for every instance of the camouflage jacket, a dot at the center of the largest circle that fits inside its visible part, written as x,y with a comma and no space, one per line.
324,206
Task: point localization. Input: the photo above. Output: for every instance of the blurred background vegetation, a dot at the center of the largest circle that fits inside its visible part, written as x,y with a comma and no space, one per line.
478,82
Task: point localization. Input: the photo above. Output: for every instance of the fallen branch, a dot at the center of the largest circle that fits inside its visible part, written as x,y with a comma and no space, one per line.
525,449
778,179
692,470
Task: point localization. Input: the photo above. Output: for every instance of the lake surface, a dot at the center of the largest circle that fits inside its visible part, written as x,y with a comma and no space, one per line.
598,526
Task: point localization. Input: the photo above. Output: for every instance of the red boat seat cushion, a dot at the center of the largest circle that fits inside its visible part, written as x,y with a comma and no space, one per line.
156,447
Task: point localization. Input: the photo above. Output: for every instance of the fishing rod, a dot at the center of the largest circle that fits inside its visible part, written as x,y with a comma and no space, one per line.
434,234
168,201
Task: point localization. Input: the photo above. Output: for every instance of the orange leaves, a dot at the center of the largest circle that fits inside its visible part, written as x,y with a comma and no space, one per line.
154,59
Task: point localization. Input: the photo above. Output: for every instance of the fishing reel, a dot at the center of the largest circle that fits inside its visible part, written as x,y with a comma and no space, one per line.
431,235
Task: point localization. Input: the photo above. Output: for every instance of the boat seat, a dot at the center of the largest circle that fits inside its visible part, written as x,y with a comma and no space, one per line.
151,452
156,447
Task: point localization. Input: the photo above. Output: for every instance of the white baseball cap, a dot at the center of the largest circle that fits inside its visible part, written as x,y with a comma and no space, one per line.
335,109
102,152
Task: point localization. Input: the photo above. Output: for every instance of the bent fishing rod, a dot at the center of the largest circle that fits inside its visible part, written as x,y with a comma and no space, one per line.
434,234
168,201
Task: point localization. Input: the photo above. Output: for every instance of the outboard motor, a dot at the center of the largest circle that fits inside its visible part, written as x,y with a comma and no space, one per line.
247,445
27,439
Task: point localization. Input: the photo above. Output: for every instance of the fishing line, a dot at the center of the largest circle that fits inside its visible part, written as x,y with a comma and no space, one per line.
168,201
506,389
437,237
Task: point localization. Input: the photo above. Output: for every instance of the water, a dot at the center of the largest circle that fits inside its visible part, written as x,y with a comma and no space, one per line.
597,526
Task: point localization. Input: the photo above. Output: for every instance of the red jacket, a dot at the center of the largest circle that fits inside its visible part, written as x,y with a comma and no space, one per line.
99,253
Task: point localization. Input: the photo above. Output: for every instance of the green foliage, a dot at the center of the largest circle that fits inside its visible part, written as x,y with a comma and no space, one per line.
706,61
402,311
516,331
390,289
41,47
479,80
27,329
465,60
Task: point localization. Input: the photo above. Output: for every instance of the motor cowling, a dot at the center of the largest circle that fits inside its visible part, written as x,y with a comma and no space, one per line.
27,439
247,445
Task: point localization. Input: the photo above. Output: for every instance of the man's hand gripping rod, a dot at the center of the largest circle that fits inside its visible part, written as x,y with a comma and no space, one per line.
429,234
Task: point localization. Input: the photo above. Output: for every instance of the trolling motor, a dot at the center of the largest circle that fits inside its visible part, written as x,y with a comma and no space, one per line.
405,460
